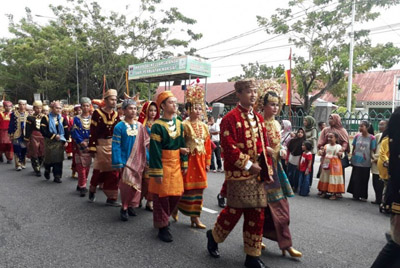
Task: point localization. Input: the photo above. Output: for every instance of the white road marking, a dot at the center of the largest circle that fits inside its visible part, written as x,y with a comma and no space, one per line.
210,210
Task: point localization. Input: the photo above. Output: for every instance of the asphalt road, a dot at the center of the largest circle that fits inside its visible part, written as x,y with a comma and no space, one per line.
44,224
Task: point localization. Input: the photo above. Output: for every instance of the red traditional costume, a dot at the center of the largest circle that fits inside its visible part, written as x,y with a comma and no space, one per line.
35,139
101,132
5,141
243,139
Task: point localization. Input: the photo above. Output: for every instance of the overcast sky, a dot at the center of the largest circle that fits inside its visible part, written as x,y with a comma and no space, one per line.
217,20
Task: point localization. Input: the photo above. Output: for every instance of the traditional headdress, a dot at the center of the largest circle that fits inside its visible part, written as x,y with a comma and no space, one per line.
77,106
119,105
163,96
144,112
127,102
22,101
54,103
195,95
85,100
29,107
37,103
45,107
267,86
7,103
246,83
110,92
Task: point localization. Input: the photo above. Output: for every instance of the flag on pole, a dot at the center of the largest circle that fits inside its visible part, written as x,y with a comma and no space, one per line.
104,85
288,88
127,82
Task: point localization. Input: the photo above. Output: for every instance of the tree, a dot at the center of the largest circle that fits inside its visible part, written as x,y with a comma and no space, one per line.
259,71
321,32
42,58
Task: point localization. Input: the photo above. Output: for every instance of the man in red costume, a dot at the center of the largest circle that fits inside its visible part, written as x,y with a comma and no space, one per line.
101,131
5,141
247,169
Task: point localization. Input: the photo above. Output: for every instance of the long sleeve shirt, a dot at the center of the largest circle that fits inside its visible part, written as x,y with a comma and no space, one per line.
45,130
101,126
80,129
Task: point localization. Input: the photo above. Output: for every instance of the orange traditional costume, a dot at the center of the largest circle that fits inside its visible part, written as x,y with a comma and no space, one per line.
198,141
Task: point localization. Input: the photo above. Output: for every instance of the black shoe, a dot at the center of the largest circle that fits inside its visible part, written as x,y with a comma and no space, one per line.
47,175
254,262
131,211
123,215
38,174
78,188
57,180
1,158
112,203
165,235
9,161
221,201
92,197
212,246
83,192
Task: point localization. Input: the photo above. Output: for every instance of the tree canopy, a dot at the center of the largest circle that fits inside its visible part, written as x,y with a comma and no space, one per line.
319,29
42,59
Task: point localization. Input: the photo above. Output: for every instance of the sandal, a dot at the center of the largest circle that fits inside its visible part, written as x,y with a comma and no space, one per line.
333,197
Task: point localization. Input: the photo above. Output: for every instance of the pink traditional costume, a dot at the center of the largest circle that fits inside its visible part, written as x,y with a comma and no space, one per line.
144,120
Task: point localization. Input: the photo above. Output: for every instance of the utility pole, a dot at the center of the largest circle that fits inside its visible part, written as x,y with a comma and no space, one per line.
77,76
350,85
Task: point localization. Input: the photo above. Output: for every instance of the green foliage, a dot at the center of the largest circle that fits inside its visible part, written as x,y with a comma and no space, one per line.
43,58
260,71
321,29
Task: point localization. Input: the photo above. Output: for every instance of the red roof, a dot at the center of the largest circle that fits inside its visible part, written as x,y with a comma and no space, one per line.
375,86
218,91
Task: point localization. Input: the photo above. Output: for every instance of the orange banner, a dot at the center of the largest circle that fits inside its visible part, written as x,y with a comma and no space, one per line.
288,88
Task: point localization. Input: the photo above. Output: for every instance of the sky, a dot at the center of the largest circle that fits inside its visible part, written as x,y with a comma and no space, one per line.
217,20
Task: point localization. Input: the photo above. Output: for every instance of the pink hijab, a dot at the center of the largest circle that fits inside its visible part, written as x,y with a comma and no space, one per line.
335,127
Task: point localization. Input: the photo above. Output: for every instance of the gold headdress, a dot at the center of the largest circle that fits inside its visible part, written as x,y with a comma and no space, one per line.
267,86
195,95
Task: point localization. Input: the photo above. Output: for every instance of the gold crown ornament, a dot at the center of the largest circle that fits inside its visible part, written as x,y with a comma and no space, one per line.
195,95
267,86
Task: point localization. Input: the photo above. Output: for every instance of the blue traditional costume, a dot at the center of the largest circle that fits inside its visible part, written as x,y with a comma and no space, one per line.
129,153
80,133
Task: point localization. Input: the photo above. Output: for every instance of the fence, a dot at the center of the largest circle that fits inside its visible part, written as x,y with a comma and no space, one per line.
350,121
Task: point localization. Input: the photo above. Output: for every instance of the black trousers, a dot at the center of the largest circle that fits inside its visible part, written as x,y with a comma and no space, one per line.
57,169
378,187
389,257
216,154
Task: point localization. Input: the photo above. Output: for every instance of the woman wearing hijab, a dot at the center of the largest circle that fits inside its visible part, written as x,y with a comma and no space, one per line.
295,151
285,138
335,126
310,127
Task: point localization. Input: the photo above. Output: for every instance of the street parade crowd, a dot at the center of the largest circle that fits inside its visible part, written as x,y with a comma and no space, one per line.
147,151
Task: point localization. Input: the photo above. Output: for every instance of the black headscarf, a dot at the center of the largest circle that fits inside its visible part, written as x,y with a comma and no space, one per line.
295,144
393,188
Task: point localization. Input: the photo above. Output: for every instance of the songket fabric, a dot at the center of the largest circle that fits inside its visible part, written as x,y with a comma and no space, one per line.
35,139
54,149
101,132
166,162
5,141
331,179
16,130
277,217
243,139
129,152
195,181
80,133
